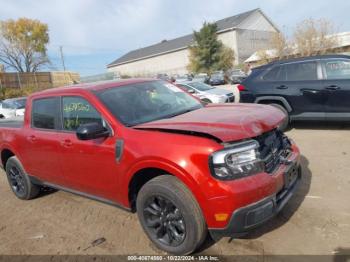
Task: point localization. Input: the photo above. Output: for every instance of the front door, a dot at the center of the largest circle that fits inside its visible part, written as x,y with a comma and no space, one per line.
90,165
337,84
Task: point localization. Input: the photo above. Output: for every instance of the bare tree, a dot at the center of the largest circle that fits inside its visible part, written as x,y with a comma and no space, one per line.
312,37
23,44
280,45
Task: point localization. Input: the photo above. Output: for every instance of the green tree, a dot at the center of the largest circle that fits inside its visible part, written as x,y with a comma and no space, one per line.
23,44
208,54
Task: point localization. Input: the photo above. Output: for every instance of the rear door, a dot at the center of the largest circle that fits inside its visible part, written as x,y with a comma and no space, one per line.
337,83
40,149
304,88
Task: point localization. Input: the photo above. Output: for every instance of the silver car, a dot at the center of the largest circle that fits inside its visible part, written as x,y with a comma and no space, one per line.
12,107
207,93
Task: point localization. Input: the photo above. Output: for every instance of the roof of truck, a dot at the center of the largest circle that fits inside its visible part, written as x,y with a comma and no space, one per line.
95,86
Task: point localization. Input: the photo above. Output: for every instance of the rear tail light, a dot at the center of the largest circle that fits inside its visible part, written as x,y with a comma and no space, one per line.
241,88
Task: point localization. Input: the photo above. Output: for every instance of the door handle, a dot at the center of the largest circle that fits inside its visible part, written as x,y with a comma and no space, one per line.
282,87
31,138
312,91
66,143
332,87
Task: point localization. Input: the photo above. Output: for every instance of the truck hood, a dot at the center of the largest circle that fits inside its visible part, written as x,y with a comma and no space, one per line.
224,122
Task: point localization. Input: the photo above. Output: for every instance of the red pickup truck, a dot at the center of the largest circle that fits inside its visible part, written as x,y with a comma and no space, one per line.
149,147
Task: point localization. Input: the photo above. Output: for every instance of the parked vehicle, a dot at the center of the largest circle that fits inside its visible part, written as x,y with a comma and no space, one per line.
236,76
207,93
12,107
164,77
151,148
217,79
204,78
311,88
182,78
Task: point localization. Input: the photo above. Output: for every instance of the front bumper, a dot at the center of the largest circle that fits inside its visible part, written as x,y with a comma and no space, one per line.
251,216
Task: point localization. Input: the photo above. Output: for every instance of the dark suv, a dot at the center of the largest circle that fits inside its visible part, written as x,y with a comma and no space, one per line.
312,88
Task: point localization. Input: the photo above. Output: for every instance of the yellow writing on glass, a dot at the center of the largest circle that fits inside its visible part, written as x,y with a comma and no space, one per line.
72,107
72,124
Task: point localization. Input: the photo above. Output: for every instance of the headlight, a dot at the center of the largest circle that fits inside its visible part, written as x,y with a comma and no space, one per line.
236,161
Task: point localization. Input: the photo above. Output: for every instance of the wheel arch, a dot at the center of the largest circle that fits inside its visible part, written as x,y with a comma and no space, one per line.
138,180
148,170
6,153
274,99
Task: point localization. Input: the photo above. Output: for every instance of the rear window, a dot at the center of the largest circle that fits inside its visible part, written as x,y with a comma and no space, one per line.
337,69
45,113
14,103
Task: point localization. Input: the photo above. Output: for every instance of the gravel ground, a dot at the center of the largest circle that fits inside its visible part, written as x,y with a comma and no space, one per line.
315,221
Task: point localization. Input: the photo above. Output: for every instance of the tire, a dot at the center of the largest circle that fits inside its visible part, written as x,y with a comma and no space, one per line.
19,181
286,122
165,205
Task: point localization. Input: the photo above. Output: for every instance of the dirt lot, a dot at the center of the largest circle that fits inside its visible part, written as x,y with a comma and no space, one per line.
316,221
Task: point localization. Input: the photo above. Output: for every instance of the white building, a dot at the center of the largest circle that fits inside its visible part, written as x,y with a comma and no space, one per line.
245,33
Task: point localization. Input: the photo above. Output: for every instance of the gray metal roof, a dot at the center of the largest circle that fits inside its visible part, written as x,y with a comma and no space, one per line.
178,43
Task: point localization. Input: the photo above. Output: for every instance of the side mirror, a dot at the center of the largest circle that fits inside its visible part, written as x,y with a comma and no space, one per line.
91,131
191,91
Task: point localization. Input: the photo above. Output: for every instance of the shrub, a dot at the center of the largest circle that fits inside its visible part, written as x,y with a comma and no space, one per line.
16,92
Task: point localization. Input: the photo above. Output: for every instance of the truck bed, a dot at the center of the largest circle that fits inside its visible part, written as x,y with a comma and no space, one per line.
12,122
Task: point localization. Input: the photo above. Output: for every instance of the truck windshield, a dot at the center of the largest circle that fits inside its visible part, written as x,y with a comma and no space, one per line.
148,101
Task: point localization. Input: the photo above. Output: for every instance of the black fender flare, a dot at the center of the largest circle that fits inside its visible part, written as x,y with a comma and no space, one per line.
276,98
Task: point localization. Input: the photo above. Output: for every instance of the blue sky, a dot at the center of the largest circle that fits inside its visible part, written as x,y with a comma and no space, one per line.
94,33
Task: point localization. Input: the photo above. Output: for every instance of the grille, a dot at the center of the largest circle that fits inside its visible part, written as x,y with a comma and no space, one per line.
274,145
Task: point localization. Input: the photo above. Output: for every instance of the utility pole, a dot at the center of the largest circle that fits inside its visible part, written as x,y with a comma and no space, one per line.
62,58
64,67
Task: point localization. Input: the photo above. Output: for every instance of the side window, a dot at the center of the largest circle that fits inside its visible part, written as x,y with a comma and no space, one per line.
337,69
45,113
77,111
301,71
273,74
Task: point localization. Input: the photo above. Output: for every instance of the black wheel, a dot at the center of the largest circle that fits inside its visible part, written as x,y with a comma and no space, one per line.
170,216
19,180
285,124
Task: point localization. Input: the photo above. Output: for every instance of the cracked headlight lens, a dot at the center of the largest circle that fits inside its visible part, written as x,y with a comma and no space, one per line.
236,161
